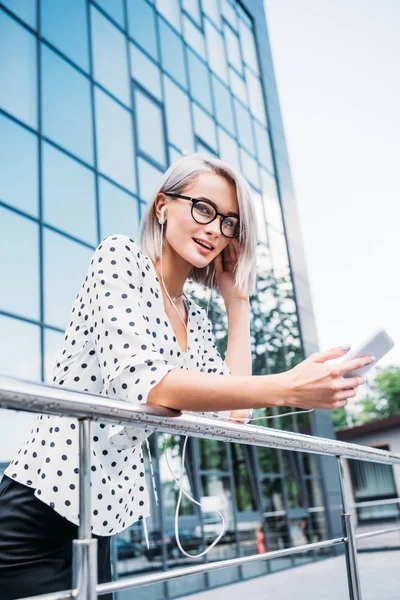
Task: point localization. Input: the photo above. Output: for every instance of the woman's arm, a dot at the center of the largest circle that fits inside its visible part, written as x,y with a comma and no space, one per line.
238,353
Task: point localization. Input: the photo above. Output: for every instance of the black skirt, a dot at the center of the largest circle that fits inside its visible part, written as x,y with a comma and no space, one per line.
36,546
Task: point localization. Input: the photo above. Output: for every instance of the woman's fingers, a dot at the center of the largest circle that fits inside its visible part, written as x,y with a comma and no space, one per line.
330,354
353,364
350,382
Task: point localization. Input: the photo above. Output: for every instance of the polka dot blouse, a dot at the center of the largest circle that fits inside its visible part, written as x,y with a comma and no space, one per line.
119,343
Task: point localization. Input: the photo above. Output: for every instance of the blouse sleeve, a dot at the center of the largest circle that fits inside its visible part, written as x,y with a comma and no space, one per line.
131,364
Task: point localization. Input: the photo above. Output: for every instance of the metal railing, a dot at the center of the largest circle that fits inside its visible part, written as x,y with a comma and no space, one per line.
42,398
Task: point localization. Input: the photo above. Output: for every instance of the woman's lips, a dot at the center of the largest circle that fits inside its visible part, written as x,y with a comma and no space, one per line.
202,249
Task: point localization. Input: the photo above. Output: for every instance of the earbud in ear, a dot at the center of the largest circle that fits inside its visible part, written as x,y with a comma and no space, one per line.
161,218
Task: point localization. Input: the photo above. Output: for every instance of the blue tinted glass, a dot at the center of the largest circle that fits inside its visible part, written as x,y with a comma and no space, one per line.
66,106
170,9
216,51
223,105
145,72
119,211
68,195
142,27
18,156
204,127
199,81
250,169
194,37
263,147
53,340
172,53
18,86
192,7
243,123
212,10
15,426
228,149
110,57
178,117
149,180
114,8
233,48
114,141
65,25
25,10
149,126
272,206
62,278
203,149
19,265
256,98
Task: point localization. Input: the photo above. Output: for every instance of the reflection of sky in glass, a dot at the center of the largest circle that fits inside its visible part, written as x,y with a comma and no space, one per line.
19,265
170,9
114,8
228,149
233,48
223,105
204,127
199,81
18,88
177,110
250,168
66,107
141,25
65,266
149,125
68,195
216,51
194,37
192,7
64,24
149,179
18,154
145,72
52,342
243,121
263,146
172,53
119,211
273,211
110,64
26,10
114,141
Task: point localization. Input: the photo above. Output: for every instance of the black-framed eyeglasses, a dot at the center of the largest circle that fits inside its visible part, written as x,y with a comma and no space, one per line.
204,212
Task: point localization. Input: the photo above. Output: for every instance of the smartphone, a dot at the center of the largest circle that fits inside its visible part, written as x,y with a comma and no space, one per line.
378,344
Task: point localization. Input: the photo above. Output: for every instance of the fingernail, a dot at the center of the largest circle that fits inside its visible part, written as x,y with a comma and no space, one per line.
373,358
345,347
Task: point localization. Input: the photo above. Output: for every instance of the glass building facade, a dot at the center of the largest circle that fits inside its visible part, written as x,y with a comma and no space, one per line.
97,98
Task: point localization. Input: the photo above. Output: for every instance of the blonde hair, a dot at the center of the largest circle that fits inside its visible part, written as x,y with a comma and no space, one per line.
176,179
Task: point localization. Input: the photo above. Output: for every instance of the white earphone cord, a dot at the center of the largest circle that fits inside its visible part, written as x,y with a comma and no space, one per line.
179,482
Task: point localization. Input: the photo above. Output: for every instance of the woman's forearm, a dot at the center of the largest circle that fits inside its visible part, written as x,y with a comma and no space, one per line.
238,353
183,389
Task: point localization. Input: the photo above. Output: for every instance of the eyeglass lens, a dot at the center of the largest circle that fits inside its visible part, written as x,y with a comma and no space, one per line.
204,213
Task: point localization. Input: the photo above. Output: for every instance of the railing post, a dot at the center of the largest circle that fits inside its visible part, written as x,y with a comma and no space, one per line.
84,567
353,578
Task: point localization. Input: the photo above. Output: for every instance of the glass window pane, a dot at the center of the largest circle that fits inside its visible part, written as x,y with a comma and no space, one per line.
204,127
280,259
18,86
261,226
223,105
216,51
114,8
268,460
233,48
66,106
25,10
110,63
61,289
53,340
205,150
19,265
272,206
142,27
238,86
64,24
119,211
192,7
256,97
145,72
114,141
212,455
228,149
170,9
229,13
69,201
172,53
199,81
149,180
248,46
212,10
245,492
174,154
194,37
150,129
250,168
18,154
178,117
264,153
15,426
243,122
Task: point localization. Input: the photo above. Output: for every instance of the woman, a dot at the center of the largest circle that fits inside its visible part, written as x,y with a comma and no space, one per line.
135,335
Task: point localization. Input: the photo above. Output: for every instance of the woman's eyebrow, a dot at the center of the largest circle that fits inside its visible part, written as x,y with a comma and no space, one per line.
229,214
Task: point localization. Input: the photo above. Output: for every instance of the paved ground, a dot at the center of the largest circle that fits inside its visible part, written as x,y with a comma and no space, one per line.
324,580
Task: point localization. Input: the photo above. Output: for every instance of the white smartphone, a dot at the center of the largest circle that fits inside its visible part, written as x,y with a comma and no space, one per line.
378,344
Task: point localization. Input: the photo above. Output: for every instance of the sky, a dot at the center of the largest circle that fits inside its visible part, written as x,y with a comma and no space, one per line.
337,71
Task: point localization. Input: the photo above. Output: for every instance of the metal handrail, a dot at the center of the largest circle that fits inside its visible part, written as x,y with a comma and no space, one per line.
28,396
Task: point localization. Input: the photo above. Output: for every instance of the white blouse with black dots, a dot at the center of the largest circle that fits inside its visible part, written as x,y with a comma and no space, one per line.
120,343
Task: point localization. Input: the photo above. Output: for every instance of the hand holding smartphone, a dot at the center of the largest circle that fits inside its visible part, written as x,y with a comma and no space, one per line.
377,344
